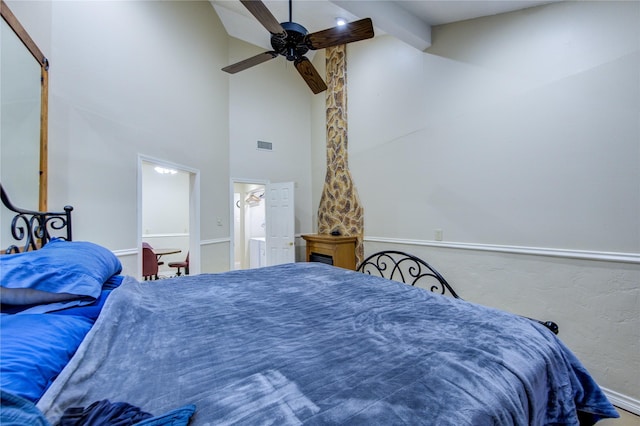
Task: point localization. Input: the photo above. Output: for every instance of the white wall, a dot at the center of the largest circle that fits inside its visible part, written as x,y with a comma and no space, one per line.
130,78
319,140
514,134
165,201
270,102
530,120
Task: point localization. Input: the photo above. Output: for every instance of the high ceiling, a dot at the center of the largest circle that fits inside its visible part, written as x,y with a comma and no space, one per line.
409,21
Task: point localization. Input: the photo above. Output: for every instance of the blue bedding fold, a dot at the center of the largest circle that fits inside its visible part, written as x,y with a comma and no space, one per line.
313,344
34,348
17,411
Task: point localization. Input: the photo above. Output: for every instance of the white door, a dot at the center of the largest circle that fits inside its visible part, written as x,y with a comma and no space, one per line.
280,220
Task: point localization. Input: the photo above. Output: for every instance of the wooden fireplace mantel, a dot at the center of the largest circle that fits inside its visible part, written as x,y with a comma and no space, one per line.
342,249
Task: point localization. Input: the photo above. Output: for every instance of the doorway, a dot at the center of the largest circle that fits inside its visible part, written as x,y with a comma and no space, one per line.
249,225
168,217
263,223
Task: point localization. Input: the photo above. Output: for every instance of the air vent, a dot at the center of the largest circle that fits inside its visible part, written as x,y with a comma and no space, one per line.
265,146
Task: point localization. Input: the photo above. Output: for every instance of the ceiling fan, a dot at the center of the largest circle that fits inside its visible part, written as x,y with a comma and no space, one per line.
292,41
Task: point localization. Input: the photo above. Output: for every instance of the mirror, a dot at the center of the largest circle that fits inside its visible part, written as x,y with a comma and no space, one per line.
23,116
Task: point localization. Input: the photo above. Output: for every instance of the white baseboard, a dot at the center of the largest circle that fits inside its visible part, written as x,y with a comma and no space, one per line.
622,401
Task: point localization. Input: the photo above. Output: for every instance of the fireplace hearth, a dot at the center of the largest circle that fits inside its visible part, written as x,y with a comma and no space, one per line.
333,250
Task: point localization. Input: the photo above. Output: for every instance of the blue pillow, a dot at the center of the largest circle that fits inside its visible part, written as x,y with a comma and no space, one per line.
35,348
61,270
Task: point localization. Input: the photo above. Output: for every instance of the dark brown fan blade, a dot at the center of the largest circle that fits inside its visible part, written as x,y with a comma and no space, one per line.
353,31
310,75
263,15
249,62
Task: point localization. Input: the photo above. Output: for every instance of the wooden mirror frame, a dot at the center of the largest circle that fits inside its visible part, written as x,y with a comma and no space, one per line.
22,34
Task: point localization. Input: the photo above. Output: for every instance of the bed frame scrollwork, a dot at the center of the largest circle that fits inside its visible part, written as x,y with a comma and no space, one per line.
406,268
409,269
33,229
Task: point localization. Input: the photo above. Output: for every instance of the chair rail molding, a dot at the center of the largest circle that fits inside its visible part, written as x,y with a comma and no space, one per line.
215,241
532,251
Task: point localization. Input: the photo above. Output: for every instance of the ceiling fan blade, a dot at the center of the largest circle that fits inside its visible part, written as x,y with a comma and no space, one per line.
263,15
249,62
310,75
353,31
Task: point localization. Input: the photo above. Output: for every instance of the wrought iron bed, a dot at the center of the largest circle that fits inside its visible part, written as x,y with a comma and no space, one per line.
33,229
409,269
254,358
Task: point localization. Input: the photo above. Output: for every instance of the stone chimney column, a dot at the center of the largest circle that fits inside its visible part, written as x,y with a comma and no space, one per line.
340,209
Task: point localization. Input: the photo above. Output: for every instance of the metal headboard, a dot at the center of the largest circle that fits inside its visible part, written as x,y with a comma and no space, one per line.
406,268
32,229
409,269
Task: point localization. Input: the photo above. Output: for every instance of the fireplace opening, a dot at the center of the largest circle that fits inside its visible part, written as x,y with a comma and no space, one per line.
322,258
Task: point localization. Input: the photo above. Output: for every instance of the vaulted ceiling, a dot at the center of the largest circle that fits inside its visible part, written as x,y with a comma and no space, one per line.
409,21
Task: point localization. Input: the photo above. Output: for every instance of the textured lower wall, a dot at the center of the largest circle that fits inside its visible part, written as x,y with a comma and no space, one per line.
340,209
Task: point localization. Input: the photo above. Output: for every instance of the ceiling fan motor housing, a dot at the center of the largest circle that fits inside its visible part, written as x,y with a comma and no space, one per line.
292,45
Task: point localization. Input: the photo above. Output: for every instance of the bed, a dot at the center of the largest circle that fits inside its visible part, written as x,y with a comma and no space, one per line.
309,343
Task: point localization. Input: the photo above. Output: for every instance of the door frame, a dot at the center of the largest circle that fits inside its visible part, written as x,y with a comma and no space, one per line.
232,231
194,210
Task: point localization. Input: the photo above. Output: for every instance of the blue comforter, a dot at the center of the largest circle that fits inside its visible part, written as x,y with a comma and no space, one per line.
310,343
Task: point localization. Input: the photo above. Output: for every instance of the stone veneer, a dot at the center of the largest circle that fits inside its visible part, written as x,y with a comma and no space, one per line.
340,208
